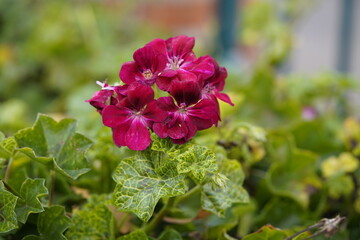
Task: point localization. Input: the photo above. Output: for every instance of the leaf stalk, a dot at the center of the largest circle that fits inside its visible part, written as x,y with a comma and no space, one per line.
148,228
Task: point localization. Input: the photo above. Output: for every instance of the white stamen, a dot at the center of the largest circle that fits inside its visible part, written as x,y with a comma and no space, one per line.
174,62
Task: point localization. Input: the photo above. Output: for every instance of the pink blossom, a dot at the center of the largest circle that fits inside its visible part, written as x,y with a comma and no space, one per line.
309,113
132,116
108,95
195,85
182,64
145,68
187,114
213,85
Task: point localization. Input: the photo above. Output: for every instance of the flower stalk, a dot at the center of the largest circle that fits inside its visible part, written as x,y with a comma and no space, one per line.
326,226
52,187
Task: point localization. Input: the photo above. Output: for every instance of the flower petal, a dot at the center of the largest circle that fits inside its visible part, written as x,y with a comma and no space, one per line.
148,59
101,99
203,67
180,45
121,91
223,97
154,113
201,123
187,92
219,78
138,136
119,133
183,75
146,67
113,116
167,104
165,79
178,141
178,128
139,95
160,129
192,129
128,72
158,45
203,109
204,114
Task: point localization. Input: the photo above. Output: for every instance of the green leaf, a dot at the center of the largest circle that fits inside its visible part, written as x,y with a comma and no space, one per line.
136,235
167,146
266,232
94,222
8,220
30,192
55,144
139,187
319,135
217,200
7,146
164,164
291,176
199,162
170,234
164,154
51,224
340,185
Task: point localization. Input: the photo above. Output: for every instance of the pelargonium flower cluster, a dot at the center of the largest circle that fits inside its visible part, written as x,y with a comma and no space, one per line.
193,86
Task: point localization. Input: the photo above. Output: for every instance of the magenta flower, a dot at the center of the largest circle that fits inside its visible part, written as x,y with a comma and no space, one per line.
194,84
132,116
108,95
145,68
213,85
182,64
187,114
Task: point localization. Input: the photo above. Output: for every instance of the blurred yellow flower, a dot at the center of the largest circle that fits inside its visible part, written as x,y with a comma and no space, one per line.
5,54
345,163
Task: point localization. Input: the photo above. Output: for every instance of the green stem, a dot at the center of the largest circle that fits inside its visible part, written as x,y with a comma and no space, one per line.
305,230
123,220
187,195
52,187
148,228
10,189
7,173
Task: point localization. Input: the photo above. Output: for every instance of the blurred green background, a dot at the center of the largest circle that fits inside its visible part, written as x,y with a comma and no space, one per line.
53,52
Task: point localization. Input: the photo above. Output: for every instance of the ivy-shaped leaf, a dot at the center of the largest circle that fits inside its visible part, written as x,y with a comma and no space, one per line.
164,154
94,222
217,200
170,234
266,232
30,192
139,187
55,144
51,224
199,162
136,235
165,145
164,164
7,148
8,220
